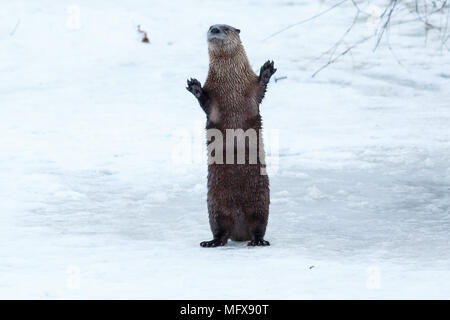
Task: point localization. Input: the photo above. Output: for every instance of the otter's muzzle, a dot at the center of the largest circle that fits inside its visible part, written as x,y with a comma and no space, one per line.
217,34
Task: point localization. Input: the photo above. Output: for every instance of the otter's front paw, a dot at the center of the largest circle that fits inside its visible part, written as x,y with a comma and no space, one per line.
195,87
259,242
267,70
212,243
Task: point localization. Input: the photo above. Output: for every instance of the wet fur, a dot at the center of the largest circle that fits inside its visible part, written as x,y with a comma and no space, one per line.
238,194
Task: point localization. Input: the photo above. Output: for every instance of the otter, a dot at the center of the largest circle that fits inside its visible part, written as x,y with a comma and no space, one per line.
238,194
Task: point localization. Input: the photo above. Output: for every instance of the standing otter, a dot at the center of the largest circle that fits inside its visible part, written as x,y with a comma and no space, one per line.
238,194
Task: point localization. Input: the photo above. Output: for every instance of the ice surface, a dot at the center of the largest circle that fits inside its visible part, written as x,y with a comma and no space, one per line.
93,203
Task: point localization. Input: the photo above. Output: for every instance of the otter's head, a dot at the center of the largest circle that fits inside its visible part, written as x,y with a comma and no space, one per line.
223,38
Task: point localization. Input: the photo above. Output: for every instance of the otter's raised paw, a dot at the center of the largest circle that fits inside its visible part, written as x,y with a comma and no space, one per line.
194,87
267,70
212,243
260,242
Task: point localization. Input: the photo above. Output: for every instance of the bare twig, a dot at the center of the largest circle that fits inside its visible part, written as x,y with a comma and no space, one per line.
343,53
338,43
423,14
393,53
306,20
424,19
15,28
356,6
386,23
445,28
280,78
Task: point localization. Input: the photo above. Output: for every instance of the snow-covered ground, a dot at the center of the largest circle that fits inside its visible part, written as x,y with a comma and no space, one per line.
93,203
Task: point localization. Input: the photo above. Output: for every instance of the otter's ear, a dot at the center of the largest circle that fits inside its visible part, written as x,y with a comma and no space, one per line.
238,31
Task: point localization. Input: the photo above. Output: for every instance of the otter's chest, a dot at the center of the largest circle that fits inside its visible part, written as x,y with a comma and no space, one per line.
232,111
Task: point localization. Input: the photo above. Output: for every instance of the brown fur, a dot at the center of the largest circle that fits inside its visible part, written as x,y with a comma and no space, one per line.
238,194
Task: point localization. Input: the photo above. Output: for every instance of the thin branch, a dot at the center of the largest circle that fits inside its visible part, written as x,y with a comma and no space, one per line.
343,53
338,43
15,28
356,6
393,53
444,32
386,24
392,7
306,20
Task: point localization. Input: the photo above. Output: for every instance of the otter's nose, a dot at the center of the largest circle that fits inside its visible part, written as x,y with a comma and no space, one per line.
214,30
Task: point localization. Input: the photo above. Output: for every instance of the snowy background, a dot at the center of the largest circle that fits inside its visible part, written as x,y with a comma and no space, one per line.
93,203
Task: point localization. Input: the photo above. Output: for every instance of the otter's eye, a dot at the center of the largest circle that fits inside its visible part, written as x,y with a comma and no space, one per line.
226,29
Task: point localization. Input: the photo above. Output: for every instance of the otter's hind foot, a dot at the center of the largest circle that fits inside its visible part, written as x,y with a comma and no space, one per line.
259,242
213,243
